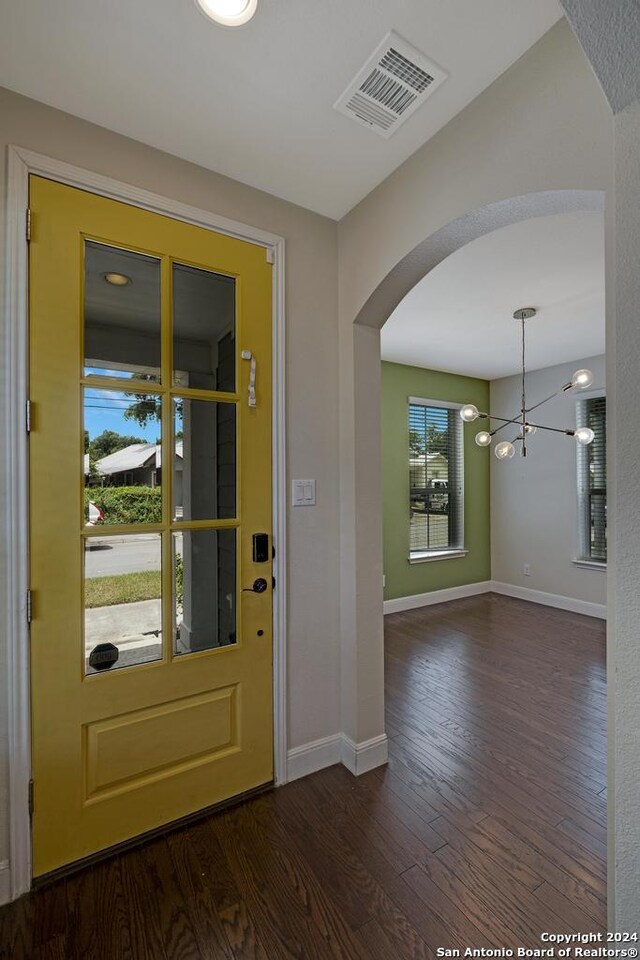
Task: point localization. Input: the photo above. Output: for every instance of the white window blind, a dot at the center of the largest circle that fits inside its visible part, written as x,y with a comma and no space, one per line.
592,480
436,503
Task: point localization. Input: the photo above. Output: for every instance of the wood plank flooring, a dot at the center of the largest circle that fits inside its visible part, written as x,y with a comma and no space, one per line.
486,827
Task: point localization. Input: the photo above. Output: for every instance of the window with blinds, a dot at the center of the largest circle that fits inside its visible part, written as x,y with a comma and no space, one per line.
436,504
592,480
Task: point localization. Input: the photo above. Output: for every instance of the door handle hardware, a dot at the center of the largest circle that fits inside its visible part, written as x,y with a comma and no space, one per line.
258,586
247,355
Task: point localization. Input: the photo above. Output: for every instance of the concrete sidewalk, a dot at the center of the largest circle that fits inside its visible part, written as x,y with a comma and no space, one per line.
125,624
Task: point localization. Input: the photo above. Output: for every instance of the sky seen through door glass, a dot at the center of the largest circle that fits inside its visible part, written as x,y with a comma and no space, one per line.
105,410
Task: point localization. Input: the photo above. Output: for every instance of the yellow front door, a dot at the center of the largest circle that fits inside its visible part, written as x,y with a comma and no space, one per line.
150,523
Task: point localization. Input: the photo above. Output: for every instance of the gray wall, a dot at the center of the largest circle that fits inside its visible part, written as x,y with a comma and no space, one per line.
624,595
610,35
534,502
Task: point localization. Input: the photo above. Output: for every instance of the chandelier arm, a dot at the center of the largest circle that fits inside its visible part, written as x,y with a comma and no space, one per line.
504,422
539,426
501,427
546,400
492,416
563,389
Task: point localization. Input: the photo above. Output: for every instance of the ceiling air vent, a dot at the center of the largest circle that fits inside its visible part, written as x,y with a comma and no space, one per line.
393,83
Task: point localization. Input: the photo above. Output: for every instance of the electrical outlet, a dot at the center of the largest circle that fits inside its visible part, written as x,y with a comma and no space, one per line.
527,570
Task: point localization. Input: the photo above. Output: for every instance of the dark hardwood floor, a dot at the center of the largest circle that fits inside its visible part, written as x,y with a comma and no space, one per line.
486,827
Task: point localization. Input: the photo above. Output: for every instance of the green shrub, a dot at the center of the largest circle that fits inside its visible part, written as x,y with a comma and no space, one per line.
126,504
179,580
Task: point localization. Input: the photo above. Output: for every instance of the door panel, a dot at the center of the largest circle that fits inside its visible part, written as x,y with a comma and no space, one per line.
151,667
122,751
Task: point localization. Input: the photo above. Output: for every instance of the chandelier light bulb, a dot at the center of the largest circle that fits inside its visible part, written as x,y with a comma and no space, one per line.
530,429
483,439
230,13
582,379
504,450
469,413
584,435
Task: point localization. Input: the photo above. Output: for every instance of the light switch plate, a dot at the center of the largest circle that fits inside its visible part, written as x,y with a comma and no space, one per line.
303,493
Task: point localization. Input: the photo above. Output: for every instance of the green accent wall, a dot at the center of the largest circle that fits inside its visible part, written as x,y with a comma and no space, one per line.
404,579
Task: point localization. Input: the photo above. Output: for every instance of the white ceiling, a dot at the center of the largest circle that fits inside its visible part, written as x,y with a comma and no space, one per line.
255,102
459,317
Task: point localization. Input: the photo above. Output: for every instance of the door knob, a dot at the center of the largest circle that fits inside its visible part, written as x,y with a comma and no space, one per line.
258,586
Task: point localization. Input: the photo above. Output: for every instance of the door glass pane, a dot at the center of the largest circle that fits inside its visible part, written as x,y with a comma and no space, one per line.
204,568
122,601
204,461
121,313
203,329
122,462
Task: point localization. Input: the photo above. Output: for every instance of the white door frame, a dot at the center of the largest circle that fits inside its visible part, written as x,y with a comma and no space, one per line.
14,545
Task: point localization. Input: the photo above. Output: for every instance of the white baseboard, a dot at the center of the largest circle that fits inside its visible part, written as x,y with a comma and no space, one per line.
361,757
5,882
494,586
313,756
550,599
358,758
436,596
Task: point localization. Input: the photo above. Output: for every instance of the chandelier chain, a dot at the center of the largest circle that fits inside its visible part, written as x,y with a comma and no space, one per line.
523,408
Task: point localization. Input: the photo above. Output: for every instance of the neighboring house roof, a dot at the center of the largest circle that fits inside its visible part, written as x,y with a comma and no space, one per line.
129,458
133,457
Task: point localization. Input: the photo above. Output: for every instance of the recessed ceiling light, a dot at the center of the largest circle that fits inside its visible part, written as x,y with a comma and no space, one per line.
230,13
117,279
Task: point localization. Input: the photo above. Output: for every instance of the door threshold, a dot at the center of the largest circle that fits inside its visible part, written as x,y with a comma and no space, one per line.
71,868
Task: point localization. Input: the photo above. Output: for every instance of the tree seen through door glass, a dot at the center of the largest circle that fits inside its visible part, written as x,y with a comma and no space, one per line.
121,313
122,457
203,329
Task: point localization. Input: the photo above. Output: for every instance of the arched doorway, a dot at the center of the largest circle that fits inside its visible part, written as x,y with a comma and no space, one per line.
362,500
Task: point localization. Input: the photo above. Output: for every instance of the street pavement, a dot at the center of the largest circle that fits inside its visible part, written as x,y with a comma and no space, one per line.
112,555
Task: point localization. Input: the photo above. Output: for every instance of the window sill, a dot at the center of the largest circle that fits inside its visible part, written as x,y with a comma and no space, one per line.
431,555
591,564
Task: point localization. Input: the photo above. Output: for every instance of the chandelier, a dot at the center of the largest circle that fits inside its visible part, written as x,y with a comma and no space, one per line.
526,428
